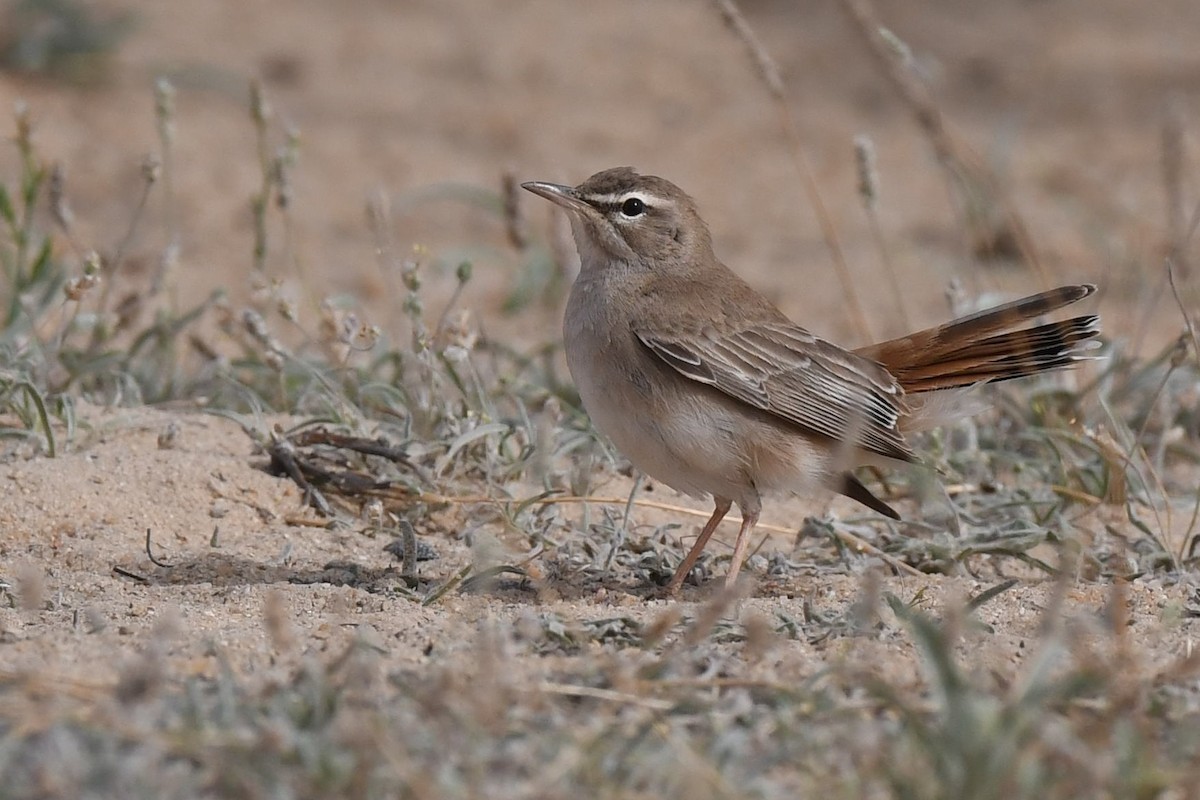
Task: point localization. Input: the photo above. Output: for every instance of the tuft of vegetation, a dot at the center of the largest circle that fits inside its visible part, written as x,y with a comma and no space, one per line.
674,707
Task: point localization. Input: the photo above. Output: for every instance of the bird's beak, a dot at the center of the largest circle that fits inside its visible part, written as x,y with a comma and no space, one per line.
558,194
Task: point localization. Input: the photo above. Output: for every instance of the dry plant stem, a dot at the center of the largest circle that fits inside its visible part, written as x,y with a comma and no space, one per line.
439,330
1191,334
515,227
1175,363
623,531
164,94
1172,365
387,259
868,192
1173,158
23,239
1187,318
769,72
889,267
39,682
1186,545
963,167
562,246
1150,297
70,312
260,113
61,210
1164,526
595,693
1075,494
286,157
1176,250
150,177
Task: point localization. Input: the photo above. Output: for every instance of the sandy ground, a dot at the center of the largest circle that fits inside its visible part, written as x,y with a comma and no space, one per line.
228,564
1066,99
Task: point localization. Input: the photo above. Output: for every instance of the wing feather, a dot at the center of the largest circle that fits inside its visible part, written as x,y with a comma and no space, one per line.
784,370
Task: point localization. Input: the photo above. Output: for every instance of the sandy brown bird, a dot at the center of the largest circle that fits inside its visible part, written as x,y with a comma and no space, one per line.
704,385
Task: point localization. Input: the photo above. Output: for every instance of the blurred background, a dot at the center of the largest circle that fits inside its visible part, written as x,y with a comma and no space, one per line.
1082,115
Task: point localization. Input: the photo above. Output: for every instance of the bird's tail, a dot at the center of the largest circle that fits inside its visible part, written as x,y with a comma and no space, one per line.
984,348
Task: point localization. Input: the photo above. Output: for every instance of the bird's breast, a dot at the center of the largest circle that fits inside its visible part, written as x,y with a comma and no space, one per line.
653,415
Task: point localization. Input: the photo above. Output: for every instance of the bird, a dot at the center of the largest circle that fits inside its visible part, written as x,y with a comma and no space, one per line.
704,385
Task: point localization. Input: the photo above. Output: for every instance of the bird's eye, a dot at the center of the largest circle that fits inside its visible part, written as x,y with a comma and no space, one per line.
633,207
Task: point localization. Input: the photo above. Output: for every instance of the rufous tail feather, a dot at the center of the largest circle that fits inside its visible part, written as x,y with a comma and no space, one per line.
983,348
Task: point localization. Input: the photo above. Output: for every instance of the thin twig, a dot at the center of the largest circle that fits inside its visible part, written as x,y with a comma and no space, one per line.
1187,318
124,573
150,555
164,112
596,693
770,74
623,531
150,175
965,169
1164,526
1173,169
868,192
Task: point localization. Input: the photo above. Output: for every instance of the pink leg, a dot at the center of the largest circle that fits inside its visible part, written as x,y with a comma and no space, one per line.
749,520
722,508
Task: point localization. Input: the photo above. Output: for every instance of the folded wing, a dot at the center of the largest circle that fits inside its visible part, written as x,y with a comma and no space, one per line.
782,369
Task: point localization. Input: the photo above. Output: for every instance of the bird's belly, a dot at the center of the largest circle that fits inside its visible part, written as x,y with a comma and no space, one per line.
683,434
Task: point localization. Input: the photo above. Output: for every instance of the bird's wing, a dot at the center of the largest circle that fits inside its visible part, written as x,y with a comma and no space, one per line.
782,369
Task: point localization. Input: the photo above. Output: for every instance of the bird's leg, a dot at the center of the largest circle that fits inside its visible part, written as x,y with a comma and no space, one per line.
749,520
722,508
